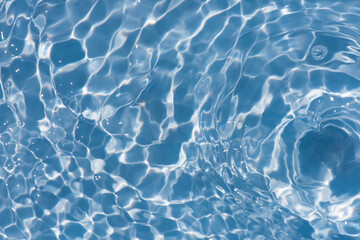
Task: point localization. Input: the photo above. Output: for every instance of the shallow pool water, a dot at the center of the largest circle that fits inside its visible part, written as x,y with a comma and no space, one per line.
179,119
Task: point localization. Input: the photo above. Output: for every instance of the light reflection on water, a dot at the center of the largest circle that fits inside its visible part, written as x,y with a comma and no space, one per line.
184,119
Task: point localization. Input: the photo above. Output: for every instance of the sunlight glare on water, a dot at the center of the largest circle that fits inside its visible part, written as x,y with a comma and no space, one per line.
179,119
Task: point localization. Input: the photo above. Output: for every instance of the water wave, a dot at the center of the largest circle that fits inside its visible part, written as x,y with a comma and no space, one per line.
179,119
291,118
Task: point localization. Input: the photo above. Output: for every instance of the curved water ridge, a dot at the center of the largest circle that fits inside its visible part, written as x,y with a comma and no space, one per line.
179,119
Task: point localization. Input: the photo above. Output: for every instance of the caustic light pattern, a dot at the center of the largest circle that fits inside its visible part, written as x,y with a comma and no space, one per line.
179,119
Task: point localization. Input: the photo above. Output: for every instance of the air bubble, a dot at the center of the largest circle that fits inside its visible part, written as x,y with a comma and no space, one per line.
10,20
319,52
8,84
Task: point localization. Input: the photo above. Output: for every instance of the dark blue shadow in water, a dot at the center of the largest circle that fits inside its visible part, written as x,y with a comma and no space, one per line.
333,148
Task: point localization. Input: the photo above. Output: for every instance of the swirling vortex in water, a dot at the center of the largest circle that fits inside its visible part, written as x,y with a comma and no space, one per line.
289,127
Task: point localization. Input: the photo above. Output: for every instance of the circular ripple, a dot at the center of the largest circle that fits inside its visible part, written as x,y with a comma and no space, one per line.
330,147
318,152
296,124
319,52
329,154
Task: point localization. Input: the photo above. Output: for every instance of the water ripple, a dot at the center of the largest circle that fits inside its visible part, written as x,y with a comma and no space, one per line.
179,119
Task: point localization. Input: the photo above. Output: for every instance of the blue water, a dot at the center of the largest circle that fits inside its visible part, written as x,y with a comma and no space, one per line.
179,119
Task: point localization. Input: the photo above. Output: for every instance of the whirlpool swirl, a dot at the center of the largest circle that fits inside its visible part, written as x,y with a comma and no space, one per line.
289,126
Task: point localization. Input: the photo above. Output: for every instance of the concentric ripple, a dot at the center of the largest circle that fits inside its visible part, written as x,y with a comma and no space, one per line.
293,118
317,165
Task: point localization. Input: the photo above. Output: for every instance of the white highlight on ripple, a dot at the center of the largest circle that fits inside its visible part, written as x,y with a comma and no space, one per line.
15,98
29,45
40,22
111,146
90,114
271,7
344,211
107,111
97,165
45,49
44,125
119,40
95,65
